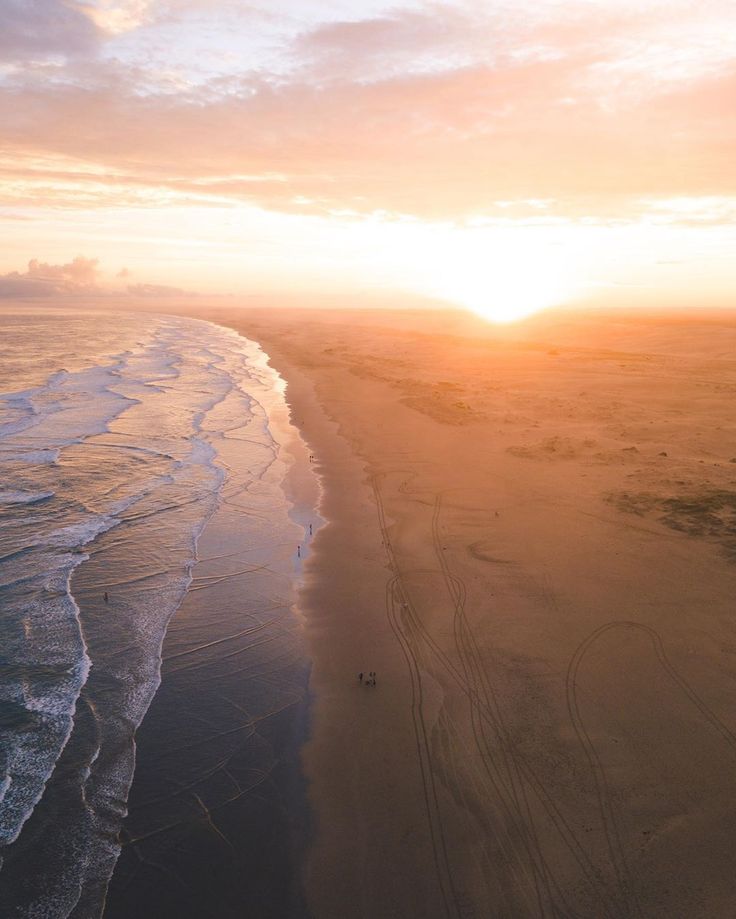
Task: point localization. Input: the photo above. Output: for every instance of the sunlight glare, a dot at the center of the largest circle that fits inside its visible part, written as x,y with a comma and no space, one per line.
504,280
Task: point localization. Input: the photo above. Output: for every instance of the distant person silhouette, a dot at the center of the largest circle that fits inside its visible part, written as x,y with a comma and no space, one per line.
106,597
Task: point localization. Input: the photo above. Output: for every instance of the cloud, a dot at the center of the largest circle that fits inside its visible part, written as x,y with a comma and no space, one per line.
41,27
444,144
117,16
156,290
46,280
438,111
15,285
79,277
408,41
81,272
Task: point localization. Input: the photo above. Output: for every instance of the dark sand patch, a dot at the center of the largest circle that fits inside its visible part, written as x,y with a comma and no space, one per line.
707,514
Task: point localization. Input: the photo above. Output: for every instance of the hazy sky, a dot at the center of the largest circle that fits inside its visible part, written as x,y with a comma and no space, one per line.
502,154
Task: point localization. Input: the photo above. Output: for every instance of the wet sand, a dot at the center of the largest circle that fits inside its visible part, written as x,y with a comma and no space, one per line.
531,539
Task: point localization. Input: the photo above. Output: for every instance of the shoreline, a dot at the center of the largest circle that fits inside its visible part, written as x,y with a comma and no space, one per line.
233,696
350,540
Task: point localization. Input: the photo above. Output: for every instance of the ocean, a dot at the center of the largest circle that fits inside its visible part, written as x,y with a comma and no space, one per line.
153,673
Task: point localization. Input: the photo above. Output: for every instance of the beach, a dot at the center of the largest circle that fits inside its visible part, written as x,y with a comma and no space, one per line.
367,613
530,538
367,459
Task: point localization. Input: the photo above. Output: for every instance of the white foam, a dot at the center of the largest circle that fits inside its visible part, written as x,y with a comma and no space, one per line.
172,400
23,497
32,751
33,457
77,535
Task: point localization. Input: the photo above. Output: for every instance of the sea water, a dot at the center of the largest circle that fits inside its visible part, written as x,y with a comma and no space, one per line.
121,437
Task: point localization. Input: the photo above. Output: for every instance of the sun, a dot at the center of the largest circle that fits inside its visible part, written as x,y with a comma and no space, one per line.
501,296
501,279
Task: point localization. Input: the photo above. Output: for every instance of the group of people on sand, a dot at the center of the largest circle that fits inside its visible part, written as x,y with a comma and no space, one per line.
370,680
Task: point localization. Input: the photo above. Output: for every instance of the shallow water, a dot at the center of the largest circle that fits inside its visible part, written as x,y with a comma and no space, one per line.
129,446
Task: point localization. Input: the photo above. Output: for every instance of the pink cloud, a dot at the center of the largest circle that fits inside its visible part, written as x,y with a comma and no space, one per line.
80,271
43,279
438,113
79,276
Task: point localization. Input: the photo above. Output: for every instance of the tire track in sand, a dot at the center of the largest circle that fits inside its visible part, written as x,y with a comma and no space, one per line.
510,780
607,811
395,604
520,778
409,630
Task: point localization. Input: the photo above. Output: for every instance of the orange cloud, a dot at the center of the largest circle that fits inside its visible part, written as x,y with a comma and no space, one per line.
437,111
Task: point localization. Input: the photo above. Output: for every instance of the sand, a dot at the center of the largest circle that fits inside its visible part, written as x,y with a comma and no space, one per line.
532,540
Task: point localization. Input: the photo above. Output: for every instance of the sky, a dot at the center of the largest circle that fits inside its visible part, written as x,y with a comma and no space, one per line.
503,156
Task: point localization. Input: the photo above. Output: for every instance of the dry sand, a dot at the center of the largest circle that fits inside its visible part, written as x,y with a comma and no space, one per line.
532,540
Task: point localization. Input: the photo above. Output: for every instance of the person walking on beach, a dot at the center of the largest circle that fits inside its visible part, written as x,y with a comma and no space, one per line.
310,529
360,677
298,551
106,597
